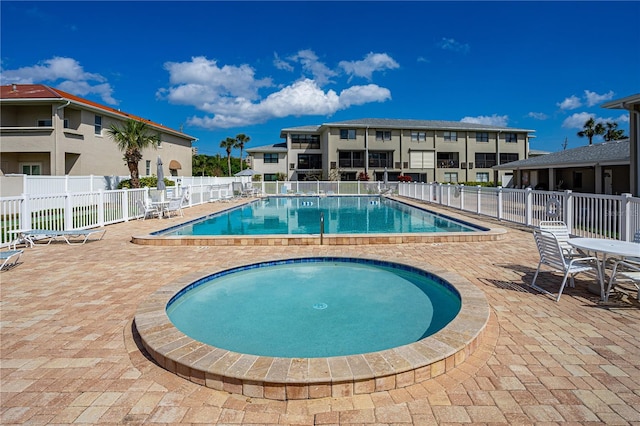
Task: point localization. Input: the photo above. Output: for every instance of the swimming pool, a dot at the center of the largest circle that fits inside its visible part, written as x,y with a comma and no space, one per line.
282,378
297,308
380,220
341,215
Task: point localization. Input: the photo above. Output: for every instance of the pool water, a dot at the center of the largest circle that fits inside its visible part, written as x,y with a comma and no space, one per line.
314,307
341,215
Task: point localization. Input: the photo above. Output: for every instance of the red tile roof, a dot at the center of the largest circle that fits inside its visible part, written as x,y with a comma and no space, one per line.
40,91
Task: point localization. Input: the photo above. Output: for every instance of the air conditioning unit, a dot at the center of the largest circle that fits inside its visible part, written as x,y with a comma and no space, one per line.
463,165
397,165
405,165
333,164
292,166
470,165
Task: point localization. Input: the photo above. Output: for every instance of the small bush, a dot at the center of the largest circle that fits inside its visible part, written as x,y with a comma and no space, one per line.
150,181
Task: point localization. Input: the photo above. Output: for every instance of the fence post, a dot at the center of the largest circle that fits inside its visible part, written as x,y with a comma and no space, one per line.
68,212
66,184
479,199
190,192
460,189
499,210
568,208
528,206
25,212
124,202
100,207
625,220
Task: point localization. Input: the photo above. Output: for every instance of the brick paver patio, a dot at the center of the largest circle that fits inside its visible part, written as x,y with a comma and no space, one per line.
69,354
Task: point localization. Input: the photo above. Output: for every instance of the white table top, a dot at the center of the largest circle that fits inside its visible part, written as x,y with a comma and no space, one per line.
601,245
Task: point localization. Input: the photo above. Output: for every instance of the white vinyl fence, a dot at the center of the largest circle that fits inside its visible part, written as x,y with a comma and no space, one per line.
587,215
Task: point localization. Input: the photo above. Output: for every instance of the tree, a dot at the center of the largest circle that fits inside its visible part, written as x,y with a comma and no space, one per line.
132,137
591,129
228,144
612,133
241,140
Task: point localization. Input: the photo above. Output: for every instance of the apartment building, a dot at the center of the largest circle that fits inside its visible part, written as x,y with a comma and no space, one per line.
46,131
425,150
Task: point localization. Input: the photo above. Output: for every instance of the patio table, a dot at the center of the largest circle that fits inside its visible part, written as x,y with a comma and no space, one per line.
603,248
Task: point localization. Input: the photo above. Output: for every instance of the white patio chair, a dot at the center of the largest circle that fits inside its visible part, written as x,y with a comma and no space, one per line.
147,209
552,255
561,231
174,207
627,269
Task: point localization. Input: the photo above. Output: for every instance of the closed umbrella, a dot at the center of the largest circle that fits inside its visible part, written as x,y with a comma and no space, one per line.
161,186
385,176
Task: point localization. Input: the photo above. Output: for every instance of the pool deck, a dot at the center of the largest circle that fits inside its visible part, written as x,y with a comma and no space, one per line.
69,355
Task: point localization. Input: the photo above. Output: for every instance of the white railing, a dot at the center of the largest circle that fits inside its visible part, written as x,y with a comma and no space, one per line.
587,215
608,216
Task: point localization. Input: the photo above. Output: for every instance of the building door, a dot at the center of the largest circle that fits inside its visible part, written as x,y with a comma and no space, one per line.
608,182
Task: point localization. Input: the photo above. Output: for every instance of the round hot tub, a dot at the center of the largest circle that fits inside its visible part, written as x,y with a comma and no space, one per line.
313,327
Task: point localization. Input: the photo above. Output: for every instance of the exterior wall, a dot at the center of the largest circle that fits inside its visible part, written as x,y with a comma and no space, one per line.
400,146
258,164
76,150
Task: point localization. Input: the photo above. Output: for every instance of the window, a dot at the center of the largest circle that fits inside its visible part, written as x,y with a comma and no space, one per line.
271,158
347,133
511,137
309,161
383,135
305,141
508,157
451,136
65,123
421,159
270,177
380,159
448,160
97,125
351,159
418,136
147,167
485,160
159,136
482,137
451,176
31,169
45,123
482,177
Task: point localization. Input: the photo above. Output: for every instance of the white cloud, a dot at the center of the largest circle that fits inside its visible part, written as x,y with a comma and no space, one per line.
538,115
281,64
359,95
577,120
203,74
230,95
66,74
371,63
571,102
310,63
453,45
493,120
593,98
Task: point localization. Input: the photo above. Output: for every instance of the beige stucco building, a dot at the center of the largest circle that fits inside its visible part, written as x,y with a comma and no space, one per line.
426,150
46,131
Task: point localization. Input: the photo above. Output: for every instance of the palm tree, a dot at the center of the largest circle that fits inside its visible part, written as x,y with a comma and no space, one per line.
241,140
228,144
612,132
132,137
591,129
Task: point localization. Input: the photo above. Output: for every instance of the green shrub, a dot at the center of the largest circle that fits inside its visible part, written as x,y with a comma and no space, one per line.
150,181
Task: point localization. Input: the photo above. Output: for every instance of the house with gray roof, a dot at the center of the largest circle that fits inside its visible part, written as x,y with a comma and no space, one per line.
425,150
599,168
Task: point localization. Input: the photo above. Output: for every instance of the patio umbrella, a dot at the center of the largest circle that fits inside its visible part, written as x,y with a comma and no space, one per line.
246,172
160,185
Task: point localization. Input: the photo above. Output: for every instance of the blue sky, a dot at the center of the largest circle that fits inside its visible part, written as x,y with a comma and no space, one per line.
216,69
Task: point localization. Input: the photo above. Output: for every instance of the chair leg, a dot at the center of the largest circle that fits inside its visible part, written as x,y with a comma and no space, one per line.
564,282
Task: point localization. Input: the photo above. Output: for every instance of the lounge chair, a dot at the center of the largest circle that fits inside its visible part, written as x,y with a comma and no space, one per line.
6,257
552,255
71,237
562,234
